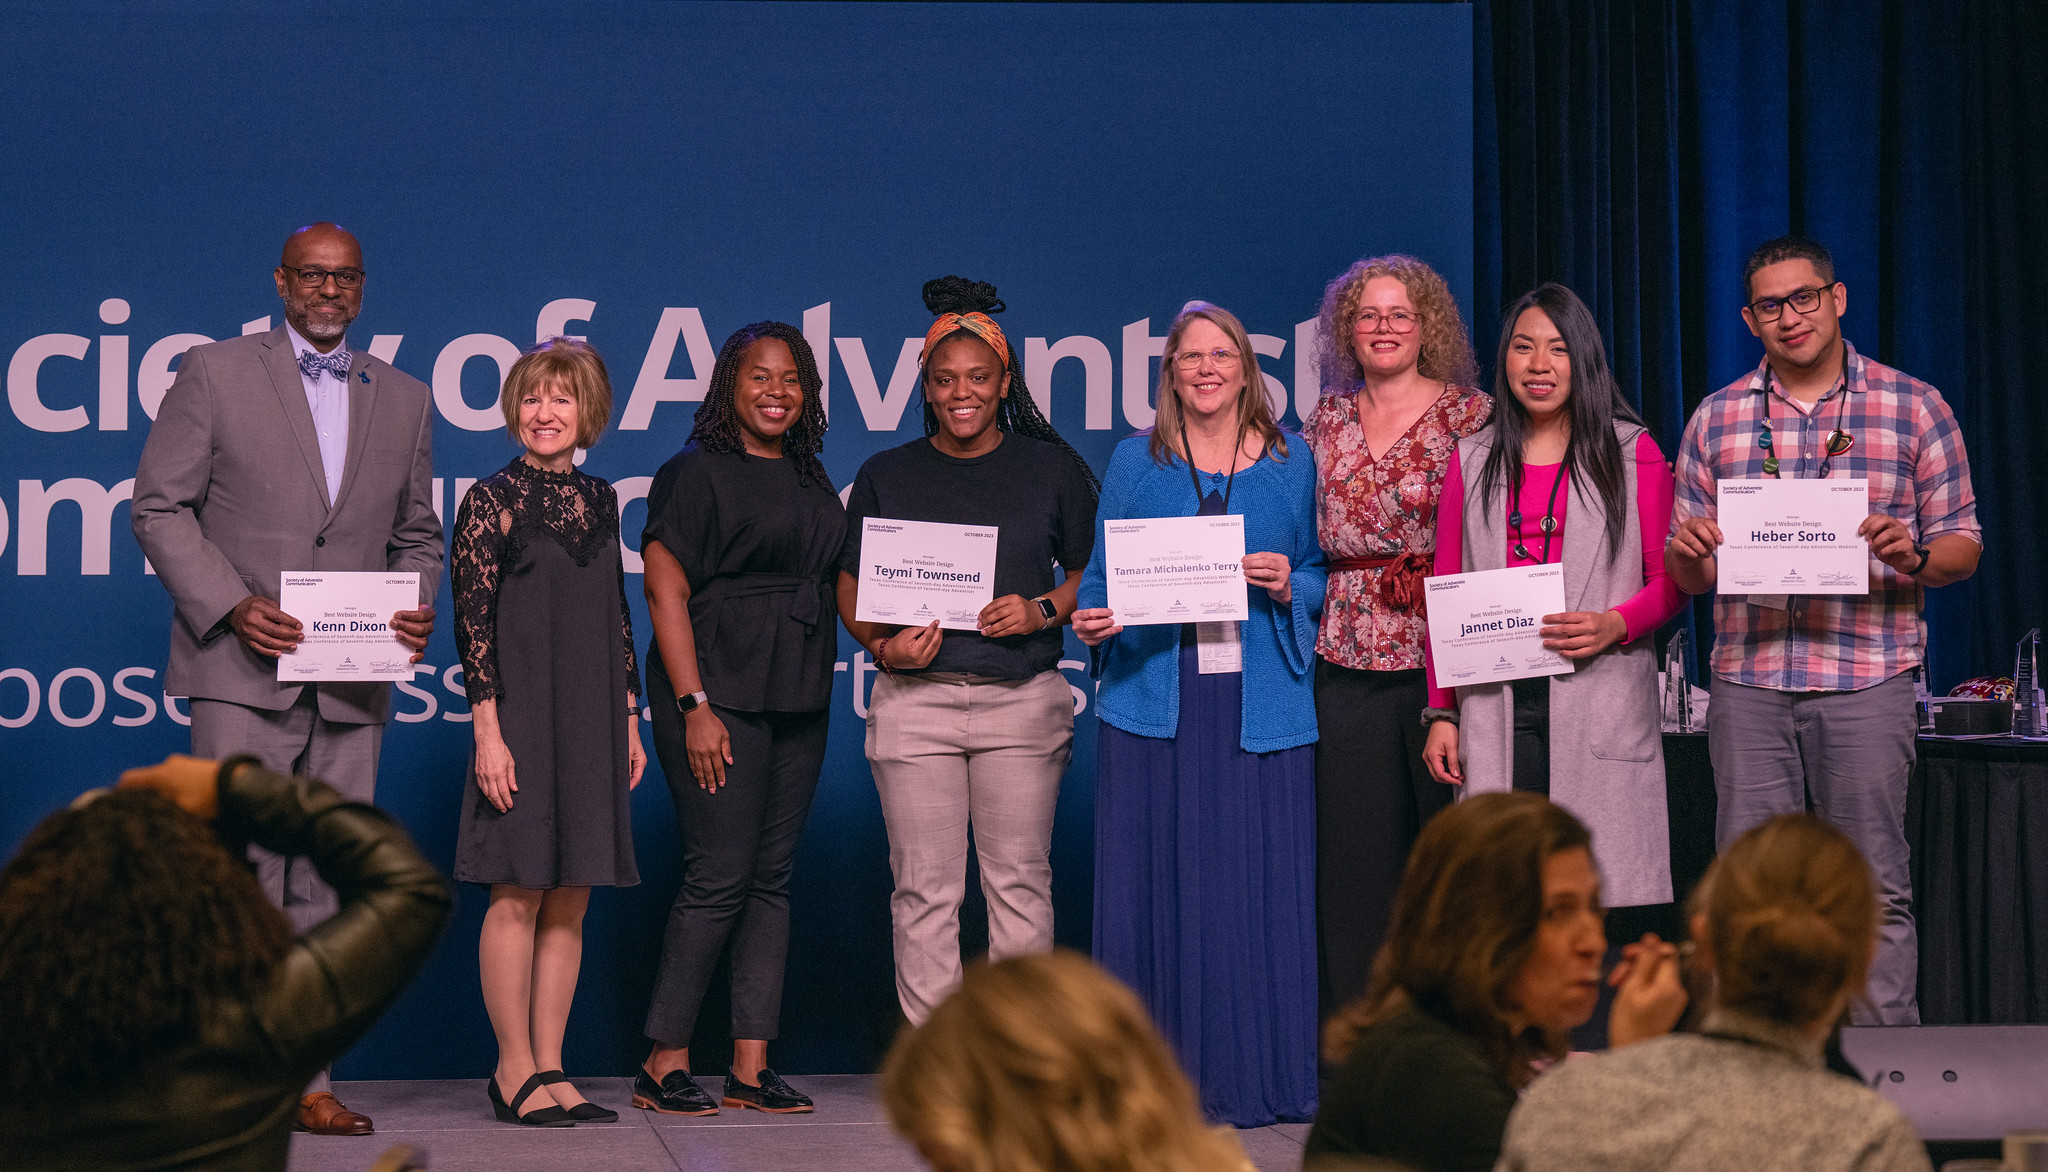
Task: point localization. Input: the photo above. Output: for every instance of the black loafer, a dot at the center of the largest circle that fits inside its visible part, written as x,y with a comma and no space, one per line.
773,1095
676,1094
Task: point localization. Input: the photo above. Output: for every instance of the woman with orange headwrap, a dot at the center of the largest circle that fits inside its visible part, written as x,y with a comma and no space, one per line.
973,726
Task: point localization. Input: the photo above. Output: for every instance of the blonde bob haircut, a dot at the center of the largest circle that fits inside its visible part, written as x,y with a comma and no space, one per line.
1047,1064
1446,348
568,363
1254,410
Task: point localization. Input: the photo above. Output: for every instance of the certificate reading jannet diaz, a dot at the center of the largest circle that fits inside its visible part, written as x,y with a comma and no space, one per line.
345,624
1483,625
912,572
1176,570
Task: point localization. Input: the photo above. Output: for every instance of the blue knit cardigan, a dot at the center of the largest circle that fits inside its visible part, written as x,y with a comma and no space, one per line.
1140,667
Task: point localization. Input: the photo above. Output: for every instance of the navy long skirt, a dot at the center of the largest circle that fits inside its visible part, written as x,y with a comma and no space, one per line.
1205,899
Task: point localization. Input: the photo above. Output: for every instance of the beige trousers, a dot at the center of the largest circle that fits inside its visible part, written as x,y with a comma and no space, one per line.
948,752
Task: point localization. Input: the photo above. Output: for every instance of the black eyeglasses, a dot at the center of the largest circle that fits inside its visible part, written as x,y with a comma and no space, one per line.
1801,301
314,278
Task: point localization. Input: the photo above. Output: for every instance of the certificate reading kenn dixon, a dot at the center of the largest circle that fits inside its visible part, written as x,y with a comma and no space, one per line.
345,623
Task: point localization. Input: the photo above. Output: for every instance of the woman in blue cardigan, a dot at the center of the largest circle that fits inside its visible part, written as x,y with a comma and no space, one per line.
1205,789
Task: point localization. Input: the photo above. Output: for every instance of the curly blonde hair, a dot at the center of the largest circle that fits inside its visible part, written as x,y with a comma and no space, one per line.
1047,1064
1446,347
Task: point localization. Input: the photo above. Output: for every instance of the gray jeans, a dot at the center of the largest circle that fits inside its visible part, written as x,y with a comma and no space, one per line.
1850,754
946,754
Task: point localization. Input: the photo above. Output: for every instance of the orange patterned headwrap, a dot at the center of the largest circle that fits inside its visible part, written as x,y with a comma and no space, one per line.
980,325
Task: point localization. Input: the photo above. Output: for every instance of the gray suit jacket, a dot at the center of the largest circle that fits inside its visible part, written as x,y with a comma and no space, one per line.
230,493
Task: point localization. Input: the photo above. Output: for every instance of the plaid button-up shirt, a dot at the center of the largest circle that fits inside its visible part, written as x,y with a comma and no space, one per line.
1907,445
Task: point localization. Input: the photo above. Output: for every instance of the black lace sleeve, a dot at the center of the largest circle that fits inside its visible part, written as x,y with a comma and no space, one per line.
611,506
477,563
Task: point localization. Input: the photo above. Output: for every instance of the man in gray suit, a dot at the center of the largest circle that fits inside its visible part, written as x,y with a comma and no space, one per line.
279,452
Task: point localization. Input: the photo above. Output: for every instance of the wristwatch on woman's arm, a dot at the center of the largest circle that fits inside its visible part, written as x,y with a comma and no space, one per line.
692,702
1047,612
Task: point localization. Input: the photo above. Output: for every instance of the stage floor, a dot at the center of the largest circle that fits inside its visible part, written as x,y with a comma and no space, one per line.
451,1121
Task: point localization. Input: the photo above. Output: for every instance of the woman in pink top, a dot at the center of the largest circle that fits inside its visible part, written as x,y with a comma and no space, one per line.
1566,473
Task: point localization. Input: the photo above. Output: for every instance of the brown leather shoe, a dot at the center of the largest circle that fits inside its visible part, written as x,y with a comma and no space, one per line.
323,1114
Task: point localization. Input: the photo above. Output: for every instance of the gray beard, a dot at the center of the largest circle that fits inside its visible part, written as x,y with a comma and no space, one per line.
316,332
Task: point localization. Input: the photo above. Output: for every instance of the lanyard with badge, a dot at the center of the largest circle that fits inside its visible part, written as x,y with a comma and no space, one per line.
1219,649
1837,442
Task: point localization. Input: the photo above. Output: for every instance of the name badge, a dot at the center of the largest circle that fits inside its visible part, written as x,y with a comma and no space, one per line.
1218,650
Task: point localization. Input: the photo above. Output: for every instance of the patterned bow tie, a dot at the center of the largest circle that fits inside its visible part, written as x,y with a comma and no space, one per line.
311,364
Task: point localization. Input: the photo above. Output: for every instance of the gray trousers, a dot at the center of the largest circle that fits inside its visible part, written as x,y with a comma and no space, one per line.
947,753
1849,754
296,740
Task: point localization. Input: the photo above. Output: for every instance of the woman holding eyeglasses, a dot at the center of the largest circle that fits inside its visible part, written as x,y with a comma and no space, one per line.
1204,798
1397,397
1566,473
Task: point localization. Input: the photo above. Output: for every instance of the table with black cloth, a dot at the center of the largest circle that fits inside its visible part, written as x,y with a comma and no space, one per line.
1977,826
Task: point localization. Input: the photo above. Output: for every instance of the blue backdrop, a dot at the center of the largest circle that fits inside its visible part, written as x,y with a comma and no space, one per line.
654,175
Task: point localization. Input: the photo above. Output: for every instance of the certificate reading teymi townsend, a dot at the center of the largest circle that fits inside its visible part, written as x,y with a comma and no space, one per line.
1792,537
912,572
1482,625
1176,570
345,624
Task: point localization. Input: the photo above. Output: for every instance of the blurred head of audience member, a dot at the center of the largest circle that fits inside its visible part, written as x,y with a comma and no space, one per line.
1788,924
1047,1064
123,923
1496,931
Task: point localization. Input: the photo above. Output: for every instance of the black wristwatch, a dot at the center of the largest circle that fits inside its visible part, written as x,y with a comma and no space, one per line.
692,702
1923,551
1046,611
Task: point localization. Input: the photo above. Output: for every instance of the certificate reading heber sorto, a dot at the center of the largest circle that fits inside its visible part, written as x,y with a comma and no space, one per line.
1792,537
1483,625
345,625
1176,570
912,572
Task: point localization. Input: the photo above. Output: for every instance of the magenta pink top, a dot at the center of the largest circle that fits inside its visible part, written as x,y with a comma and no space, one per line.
1650,608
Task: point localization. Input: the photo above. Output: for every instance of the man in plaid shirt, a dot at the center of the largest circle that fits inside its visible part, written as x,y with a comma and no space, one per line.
1813,699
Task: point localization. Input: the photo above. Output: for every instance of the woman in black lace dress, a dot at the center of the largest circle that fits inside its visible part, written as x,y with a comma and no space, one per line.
547,653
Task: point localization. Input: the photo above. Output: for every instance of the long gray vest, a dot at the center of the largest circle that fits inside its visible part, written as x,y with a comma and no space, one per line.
1606,739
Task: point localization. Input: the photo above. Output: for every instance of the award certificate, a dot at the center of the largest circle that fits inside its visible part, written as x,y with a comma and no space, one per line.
1482,625
912,572
1792,537
1176,570
345,623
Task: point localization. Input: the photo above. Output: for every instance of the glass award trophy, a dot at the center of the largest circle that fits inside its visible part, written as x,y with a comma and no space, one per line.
1677,686
2030,709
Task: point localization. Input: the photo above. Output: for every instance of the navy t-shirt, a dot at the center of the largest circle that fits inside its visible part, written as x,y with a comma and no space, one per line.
1036,496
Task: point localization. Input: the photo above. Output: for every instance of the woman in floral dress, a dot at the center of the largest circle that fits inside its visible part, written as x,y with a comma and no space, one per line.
1397,396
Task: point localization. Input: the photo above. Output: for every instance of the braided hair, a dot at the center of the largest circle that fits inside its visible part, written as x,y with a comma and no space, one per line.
717,426
1016,412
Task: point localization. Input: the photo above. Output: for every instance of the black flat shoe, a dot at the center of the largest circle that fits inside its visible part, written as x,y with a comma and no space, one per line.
551,1115
676,1094
581,1112
773,1095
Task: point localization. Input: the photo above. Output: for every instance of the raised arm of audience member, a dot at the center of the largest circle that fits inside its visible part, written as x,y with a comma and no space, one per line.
1788,931
182,1028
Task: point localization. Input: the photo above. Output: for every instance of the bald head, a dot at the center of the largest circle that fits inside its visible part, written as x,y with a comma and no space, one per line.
329,256
315,235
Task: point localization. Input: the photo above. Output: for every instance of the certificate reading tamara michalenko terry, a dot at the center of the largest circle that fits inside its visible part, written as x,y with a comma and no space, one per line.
345,625
1792,537
1176,570
1483,625
912,572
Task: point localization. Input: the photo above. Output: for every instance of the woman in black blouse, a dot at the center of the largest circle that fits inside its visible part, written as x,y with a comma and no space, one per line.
547,659
741,551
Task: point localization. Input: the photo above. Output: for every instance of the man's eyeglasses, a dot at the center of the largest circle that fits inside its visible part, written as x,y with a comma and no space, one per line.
1191,359
1400,322
1801,301
314,278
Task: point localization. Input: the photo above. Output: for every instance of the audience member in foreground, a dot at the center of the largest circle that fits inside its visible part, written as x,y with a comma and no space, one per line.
1493,954
159,1013
1788,931
1046,1064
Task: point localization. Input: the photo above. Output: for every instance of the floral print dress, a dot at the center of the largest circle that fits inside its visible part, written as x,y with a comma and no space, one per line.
1371,506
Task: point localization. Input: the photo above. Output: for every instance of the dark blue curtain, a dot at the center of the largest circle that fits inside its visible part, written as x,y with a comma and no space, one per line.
1638,151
